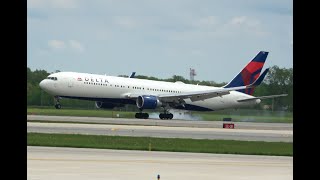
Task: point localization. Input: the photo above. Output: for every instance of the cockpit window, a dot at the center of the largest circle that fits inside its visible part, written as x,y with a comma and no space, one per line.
52,78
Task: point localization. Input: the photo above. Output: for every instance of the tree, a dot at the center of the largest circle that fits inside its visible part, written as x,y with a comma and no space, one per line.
278,81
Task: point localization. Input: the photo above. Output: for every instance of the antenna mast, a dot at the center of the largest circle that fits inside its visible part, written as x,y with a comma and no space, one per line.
192,74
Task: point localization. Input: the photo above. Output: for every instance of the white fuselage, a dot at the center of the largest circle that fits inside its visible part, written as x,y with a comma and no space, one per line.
98,87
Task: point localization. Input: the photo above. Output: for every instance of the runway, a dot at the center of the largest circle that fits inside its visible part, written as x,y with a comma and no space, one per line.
157,122
163,131
96,164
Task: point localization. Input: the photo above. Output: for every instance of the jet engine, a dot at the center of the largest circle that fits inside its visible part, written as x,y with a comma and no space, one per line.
148,102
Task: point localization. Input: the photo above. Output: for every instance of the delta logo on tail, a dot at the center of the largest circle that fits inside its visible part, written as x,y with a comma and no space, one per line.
249,73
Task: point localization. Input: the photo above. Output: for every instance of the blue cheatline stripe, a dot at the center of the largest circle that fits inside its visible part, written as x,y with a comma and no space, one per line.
193,108
111,100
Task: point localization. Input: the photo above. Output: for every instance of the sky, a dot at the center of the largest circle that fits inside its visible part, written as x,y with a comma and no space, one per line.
159,38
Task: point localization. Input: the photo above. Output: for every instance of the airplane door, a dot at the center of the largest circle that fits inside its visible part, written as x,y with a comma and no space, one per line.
70,83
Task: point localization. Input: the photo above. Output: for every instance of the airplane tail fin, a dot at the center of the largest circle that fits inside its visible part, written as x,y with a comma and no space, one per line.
249,73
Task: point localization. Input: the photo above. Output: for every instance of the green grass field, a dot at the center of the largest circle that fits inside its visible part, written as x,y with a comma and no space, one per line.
161,144
236,115
80,112
254,117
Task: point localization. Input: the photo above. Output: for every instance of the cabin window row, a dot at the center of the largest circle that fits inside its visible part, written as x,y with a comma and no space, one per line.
120,86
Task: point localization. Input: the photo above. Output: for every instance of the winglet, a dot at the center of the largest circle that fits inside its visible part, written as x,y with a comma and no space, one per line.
132,75
258,81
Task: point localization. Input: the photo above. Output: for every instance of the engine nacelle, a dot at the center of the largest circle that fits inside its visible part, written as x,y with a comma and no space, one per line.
148,102
105,105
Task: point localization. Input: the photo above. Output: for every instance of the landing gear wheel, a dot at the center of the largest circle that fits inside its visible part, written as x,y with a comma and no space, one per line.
146,115
165,116
142,115
57,106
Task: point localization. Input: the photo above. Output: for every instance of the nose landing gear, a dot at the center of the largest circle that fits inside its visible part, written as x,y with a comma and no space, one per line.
57,105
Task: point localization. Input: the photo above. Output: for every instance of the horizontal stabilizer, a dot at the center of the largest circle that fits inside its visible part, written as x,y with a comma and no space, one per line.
262,97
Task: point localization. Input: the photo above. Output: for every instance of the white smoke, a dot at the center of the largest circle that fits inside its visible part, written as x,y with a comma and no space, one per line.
179,114
251,115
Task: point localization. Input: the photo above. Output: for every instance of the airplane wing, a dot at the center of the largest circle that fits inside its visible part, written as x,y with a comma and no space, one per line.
262,97
201,95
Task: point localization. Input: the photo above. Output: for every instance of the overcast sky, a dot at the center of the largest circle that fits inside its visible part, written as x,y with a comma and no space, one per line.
158,38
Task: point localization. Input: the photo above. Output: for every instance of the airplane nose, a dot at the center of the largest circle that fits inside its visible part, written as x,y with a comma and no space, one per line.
46,85
42,84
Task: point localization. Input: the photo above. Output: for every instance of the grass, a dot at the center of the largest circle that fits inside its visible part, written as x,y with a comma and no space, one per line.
236,115
80,112
248,118
161,144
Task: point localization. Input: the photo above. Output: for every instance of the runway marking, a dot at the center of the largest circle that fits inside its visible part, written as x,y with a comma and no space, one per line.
271,164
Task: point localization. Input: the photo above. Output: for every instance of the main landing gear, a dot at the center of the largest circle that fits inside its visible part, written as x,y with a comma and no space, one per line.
141,115
165,114
57,105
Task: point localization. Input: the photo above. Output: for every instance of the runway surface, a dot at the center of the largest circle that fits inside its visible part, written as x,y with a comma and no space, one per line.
96,164
158,122
162,131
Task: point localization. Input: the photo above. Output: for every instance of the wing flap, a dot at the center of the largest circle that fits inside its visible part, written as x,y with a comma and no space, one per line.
207,96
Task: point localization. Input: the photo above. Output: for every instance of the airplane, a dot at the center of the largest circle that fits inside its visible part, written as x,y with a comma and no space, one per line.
111,91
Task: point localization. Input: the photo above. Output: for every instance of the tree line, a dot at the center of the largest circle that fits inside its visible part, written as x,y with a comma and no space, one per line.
278,81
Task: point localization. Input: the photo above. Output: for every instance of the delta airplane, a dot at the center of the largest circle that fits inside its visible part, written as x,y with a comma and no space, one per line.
111,91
